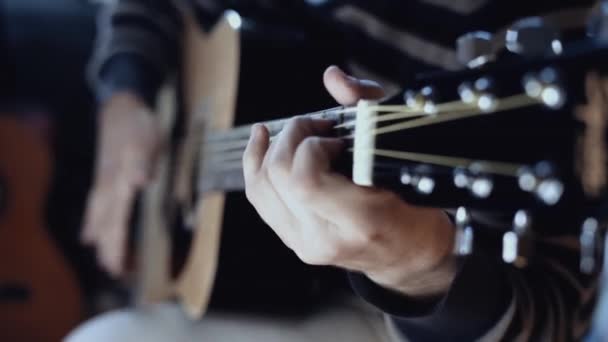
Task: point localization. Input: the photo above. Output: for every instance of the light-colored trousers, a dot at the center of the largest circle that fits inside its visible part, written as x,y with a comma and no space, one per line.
347,321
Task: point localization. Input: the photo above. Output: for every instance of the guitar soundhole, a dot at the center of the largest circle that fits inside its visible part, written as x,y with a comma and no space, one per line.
14,293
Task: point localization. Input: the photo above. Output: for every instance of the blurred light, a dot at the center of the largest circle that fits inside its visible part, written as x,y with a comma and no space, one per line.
234,19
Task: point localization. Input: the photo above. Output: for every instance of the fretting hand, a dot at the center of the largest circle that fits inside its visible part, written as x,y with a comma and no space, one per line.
128,141
327,220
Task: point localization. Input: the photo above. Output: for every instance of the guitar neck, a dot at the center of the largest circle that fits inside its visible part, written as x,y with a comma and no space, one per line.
337,114
221,167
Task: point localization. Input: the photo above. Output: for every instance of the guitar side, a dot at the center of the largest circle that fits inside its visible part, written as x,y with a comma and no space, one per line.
39,296
211,66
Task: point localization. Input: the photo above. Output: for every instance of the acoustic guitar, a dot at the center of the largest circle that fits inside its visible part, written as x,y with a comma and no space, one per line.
524,137
39,296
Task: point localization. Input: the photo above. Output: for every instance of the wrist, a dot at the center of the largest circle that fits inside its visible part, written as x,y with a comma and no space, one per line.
424,271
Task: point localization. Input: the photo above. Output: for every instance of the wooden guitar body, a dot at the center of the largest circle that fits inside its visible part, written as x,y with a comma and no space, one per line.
210,75
39,296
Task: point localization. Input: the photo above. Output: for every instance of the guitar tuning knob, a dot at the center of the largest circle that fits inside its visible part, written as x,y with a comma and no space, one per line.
545,87
424,100
422,182
475,49
517,244
464,237
591,246
597,26
479,94
533,37
542,183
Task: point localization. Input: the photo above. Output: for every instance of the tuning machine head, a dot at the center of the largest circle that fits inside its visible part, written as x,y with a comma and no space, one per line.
475,49
545,87
592,245
424,100
517,243
464,236
420,179
597,26
533,37
542,182
479,93
475,180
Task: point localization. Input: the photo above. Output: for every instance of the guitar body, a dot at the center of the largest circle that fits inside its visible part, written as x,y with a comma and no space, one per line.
39,296
211,67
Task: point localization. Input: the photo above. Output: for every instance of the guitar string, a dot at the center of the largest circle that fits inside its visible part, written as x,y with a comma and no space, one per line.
494,167
218,145
221,141
487,166
456,110
513,102
236,149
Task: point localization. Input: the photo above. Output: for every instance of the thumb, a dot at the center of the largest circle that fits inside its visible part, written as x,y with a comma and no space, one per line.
347,90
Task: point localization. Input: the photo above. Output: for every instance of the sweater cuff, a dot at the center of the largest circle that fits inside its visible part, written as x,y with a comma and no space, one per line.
128,72
475,301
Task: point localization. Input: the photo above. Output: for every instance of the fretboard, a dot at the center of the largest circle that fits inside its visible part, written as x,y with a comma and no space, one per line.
221,167
275,126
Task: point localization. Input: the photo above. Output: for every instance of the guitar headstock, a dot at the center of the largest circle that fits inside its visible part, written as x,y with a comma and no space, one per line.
524,137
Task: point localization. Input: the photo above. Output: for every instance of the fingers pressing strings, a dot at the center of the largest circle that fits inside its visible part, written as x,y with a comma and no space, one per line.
223,153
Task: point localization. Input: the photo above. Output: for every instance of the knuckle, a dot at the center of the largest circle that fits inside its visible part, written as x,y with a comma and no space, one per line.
312,145
296,123
326,252
365,237
252,187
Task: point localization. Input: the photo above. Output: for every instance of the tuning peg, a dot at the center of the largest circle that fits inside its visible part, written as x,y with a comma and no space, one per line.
597,26
542,182
482,187
473,179
532,37
517,244
406,177
550,191
462,178
424,100
591,241
480,94
424,185
475,49
545,87
420,180
464,237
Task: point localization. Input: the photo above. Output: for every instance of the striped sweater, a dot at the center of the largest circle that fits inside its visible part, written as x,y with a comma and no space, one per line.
390,41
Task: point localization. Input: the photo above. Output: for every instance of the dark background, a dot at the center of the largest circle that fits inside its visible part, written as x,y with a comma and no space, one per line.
45,45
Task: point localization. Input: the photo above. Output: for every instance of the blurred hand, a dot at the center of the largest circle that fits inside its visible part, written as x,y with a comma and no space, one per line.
127,144
328,220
